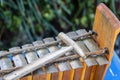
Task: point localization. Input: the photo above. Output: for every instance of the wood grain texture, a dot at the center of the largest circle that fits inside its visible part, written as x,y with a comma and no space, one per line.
55,76
39,77
107,27
87,45
66,75
77,74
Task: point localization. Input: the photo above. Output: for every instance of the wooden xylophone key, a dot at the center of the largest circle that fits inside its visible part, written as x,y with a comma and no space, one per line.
92,46
40,52
30,53
90,62
64,66
77,67
51,48
40,73
5,62
75,64
72,34
51,68
18,59
64,70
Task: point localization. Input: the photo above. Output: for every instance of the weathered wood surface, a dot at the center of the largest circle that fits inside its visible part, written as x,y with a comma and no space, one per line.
92,46
51,68
30,53
19,59
107,27
5,62
41,72
64,66
38,63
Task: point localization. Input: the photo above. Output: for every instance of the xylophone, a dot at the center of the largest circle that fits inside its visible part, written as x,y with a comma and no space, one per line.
76,55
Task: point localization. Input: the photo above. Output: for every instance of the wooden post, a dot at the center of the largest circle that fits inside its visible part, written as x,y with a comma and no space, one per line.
107,27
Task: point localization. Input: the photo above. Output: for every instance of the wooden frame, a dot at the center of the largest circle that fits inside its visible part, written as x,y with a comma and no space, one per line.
107,27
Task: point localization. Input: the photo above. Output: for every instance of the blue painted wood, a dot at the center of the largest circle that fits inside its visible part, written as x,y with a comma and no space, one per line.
113,72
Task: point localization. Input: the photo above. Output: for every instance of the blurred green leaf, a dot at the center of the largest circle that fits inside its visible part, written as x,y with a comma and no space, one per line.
28,19
49,15
16,20
83,21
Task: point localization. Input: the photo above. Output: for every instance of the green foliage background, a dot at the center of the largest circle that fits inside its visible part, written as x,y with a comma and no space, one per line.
24,21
